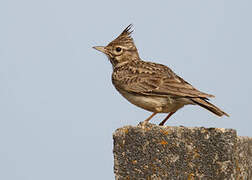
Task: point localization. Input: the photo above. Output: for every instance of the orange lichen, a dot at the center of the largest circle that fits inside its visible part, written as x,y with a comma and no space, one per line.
190,177
196,154
164,132
134,161
163,142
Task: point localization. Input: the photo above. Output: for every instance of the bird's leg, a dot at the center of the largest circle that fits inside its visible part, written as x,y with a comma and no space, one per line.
149,118
167,117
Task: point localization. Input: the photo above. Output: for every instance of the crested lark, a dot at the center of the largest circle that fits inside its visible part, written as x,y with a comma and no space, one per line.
151,86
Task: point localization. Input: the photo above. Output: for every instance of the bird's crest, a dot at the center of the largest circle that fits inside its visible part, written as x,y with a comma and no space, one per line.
127,31
124,38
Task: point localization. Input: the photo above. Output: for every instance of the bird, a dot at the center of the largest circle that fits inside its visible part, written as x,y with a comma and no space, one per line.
148,85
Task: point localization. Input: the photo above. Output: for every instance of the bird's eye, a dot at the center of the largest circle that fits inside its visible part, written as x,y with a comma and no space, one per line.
118,49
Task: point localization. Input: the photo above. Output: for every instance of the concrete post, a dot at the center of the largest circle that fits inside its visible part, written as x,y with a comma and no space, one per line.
161,152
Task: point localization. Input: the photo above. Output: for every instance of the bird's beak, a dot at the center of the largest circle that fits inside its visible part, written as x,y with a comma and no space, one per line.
100,48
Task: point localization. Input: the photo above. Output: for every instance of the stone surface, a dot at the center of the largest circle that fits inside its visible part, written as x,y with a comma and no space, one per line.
156,152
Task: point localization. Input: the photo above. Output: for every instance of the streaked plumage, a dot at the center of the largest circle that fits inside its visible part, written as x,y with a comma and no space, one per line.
151,86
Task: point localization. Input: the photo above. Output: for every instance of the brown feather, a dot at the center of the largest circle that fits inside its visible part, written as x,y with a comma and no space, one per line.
207,105
153,80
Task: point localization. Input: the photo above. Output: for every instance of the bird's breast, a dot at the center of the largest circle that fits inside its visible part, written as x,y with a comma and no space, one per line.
151,103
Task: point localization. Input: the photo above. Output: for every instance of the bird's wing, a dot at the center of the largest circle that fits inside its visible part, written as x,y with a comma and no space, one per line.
154,80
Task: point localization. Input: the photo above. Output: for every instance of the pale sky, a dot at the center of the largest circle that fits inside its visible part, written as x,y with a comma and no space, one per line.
58,107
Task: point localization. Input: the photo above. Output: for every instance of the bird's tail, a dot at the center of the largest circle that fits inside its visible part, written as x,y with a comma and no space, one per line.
207,105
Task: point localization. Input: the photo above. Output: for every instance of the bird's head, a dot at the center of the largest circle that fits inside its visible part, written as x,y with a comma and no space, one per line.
121,49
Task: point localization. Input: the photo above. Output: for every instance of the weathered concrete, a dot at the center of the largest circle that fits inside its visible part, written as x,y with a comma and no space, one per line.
161,152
